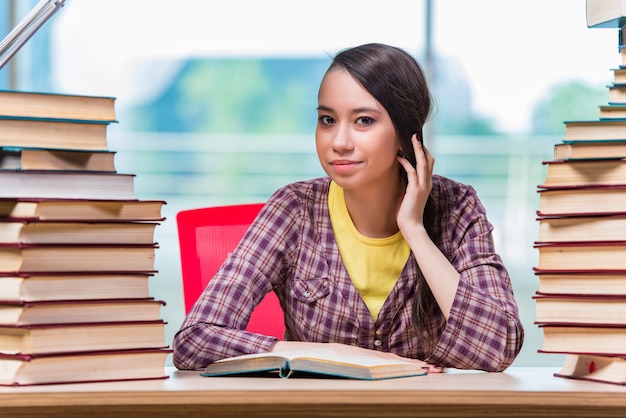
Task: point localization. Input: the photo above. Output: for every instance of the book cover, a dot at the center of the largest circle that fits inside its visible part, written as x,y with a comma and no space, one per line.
619,75
53,133
567,150
66,184
582,200
311,363
76,232
585,256
617,93
600,129
604,282
57,105
12,158
81,337
76,257
81,209
582,228
74,285
583,339
60,368
85,311
612,111
580,309
578,173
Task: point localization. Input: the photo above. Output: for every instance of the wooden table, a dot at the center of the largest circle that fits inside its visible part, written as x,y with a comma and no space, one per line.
518,392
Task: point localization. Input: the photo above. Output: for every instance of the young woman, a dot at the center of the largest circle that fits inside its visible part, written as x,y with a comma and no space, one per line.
381,257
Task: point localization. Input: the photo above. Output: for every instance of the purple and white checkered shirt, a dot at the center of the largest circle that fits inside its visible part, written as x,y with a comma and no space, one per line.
291,249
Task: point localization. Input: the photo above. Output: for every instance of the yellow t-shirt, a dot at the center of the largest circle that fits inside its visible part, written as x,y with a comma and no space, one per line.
374,264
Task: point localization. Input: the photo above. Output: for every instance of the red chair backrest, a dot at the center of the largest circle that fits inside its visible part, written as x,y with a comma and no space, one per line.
206,236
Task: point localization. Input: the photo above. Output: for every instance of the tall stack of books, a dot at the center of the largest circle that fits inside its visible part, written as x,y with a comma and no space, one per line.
77,248
581,301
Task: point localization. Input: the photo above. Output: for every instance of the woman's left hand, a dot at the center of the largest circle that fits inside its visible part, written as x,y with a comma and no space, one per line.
411,211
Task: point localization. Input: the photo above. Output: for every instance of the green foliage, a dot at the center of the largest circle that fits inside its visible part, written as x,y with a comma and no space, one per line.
573,100
472,125
273,96
242,95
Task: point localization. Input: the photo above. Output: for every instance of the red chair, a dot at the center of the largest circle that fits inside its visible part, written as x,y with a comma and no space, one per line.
206,236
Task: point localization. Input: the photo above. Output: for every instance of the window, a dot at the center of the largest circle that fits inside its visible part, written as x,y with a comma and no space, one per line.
216,102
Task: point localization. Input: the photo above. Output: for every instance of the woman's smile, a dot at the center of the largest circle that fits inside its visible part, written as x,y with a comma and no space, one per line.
344,166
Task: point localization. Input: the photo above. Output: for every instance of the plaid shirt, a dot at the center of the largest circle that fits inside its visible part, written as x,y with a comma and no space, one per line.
291,249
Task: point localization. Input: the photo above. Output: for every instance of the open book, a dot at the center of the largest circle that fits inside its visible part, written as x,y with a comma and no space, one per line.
311,363
595,368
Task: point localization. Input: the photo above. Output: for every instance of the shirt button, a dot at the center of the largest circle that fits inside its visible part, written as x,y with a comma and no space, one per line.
307,293
377,343
379,331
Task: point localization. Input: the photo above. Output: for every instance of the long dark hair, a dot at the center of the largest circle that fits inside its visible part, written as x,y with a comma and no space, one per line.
396,80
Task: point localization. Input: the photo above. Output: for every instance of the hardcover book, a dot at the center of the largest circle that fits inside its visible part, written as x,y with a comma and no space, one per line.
581,228
66,184
600,129
57,105
105,366
584,339
577,173
580,309
81,209
53,133
76,232
617,93
619,75
590,150
581,201
73,311
76,257
52,159
64,285
81,337
587,256
582,282
612,111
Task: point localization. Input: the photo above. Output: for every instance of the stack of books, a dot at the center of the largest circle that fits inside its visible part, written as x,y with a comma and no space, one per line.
581,301
77,248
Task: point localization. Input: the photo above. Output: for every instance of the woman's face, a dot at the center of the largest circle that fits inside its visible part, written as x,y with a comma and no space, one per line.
355,138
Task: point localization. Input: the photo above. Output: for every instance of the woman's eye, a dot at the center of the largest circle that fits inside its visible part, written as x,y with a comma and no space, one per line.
325,120
365,120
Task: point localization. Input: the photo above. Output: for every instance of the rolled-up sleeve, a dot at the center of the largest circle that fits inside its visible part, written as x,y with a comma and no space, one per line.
215,325
484,330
